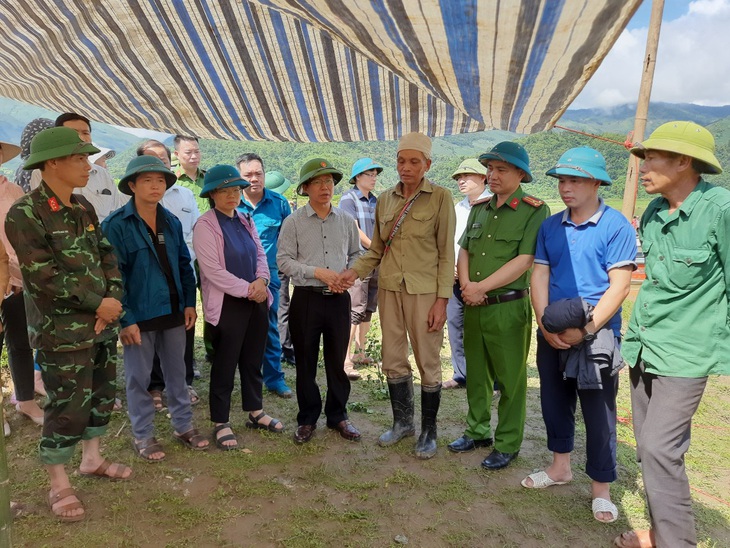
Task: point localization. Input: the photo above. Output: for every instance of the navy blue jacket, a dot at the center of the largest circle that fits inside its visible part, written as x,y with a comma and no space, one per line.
146,294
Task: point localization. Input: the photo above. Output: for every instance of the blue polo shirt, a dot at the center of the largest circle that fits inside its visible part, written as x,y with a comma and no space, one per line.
268,215
580,256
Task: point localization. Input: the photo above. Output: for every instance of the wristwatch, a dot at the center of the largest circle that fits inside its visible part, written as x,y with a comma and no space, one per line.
588,336
266,282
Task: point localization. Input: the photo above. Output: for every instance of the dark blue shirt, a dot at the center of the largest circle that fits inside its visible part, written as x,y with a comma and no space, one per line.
239,249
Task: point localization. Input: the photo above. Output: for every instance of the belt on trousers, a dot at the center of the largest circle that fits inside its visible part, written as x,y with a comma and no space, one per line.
324,290
506,297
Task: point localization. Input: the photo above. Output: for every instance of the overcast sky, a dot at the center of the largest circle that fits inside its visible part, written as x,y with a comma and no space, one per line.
692,61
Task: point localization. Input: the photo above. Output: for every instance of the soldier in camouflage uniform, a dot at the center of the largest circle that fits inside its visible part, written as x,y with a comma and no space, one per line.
73,305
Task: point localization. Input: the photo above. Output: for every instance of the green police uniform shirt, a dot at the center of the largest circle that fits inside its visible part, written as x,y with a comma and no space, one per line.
496,235
196,185
680,323
68,267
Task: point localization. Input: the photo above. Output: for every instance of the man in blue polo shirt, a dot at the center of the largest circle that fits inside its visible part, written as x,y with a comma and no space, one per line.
586,251
268,210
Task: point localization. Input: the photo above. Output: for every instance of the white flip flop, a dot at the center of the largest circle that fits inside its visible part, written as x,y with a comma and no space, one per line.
603,505
540,480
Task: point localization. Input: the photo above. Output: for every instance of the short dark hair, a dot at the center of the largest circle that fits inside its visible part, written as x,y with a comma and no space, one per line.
180,138
70,117
149,143
250,157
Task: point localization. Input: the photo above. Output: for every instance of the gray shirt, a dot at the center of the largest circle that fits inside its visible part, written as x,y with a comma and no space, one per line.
308,242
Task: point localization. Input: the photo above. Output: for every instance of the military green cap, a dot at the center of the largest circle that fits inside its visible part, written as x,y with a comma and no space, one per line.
56,142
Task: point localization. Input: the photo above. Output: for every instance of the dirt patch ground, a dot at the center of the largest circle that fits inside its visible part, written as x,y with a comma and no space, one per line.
335,493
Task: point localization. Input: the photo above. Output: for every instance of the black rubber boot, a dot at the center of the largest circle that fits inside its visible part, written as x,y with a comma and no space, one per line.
401,400
430,401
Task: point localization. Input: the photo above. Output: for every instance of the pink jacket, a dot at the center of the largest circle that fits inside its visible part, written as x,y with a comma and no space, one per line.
215,280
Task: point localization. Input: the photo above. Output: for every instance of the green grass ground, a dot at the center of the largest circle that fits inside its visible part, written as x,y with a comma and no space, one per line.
334,493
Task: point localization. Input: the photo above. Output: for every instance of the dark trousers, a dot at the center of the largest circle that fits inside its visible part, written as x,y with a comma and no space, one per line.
662,410
238,341
81,386
157,380
558,398
20,355
314,316
287,347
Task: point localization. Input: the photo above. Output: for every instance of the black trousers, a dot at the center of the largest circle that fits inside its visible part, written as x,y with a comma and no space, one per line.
157,381
314,317
239,341
287,347
20,355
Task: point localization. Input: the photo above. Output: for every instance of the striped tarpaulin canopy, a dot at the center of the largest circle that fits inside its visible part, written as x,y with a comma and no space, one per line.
308,70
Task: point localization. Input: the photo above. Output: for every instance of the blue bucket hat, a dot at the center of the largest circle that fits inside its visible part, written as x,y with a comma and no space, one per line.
363,165
584,162
222,176
512,153
144,164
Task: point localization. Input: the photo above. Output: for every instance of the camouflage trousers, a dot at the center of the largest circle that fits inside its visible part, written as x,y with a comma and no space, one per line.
81,387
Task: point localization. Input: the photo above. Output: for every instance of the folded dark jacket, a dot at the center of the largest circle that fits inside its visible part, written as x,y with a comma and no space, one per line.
584,360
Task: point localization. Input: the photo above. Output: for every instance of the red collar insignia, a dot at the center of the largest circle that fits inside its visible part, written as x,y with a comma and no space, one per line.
514,203
53,204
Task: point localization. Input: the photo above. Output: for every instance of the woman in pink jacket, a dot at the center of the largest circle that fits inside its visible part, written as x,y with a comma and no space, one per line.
234,278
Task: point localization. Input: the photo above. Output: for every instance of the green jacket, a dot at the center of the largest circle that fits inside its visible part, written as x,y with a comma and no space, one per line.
68,267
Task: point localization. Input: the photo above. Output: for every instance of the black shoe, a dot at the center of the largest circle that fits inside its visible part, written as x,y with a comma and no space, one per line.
465,444
498,460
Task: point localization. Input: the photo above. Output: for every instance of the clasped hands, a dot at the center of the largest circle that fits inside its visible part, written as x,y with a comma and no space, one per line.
336,282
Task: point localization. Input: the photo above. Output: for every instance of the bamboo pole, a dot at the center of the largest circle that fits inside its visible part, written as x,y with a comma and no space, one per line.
642,106
6,519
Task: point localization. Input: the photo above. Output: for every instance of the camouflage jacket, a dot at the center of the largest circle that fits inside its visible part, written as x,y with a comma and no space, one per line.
68,267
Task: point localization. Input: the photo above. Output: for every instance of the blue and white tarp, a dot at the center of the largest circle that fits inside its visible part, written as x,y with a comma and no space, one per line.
308,70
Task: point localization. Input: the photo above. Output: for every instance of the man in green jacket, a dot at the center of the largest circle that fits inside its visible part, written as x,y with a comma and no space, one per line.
73,303
679,330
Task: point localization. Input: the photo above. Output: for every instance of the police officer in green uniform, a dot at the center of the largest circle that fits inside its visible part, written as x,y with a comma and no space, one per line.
73,301
496,254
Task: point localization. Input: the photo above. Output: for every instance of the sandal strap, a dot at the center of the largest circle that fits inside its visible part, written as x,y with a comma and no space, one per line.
62,494
222,427
147,446
257,418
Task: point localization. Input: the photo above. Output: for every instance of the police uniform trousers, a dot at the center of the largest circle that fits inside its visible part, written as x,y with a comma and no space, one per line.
558,398
81,386
315,316
496,344
404,316
662,409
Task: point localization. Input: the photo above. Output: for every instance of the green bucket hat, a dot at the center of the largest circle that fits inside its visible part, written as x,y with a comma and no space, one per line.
56,142
222,176
512,153
470,165
144,164
685,138
276,182
313,168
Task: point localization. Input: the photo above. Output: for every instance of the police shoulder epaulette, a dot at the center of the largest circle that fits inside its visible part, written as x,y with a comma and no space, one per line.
482,201
530,200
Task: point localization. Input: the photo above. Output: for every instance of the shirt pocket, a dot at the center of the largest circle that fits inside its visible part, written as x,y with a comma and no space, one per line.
506,244
385,223
689,267
423,225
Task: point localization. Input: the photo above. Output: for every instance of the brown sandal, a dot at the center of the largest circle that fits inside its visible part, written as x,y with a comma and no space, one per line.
103,471
191,439
156,399
146,448
59,510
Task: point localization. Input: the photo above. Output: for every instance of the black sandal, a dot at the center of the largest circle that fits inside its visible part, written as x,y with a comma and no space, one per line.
228,437
271,427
